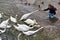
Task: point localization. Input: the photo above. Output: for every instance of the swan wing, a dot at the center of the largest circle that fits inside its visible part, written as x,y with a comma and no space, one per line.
13,19
25,16
9,26
29,21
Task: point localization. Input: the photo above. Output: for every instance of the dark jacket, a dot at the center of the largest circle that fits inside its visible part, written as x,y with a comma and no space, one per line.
51,10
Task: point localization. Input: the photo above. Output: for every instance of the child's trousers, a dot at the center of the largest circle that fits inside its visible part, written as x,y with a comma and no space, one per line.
51,15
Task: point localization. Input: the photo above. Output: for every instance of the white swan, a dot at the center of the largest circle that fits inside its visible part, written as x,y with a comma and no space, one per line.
4,23
2,31
13,19
32,32
31,22
22,27
25,16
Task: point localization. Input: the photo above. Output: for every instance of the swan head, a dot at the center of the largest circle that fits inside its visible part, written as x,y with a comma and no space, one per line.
2,13
38,26
18,24
16,16
35,21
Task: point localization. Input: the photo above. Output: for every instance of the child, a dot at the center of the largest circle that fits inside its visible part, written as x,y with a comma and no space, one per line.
52,11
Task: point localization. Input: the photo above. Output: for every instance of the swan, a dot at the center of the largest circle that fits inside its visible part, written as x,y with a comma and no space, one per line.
25,16
32,32
31,22
13,19
4,23
2,31
22,27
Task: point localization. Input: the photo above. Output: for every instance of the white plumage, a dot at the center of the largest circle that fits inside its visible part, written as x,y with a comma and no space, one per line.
22,27
0,15
13,19
32,32
19,36
4,23
2,31
30,22
37,26
8,26
25,16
